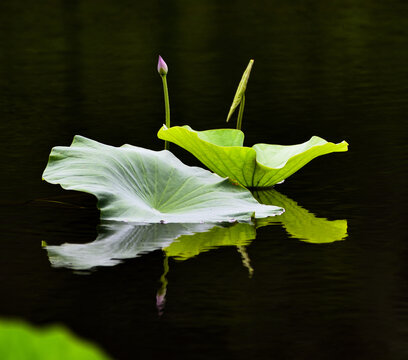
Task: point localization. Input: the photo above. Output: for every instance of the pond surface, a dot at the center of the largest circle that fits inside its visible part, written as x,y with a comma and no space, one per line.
338,70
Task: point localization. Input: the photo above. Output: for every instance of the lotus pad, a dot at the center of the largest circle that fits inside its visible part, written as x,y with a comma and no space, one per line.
134,184
262,165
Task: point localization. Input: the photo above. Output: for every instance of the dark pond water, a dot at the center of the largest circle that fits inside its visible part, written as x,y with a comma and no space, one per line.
334,69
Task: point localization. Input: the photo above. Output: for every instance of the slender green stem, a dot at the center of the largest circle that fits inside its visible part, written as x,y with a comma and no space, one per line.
246,261
241,112
163,278
166,107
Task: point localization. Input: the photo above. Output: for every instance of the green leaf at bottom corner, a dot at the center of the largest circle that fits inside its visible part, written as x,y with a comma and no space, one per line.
21,341
134,184
262,165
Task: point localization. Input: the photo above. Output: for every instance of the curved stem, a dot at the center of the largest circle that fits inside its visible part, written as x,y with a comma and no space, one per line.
166,107
241,112
246,261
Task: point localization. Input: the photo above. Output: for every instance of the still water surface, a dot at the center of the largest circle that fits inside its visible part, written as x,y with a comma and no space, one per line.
337,70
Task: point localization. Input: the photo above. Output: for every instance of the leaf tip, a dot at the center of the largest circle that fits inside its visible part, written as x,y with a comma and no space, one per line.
343,146
229,115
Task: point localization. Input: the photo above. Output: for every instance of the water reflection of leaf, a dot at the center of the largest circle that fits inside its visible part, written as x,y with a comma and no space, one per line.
118,241
186,247
20,341
299,222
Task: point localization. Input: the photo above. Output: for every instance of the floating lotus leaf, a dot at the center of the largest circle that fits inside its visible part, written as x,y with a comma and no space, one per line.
21,341
300,223
117,241
262,165
133,184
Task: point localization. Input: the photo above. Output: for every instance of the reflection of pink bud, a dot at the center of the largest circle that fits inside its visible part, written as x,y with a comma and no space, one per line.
162,66
160,301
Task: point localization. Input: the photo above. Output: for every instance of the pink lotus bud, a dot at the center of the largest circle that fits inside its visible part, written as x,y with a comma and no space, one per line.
162,67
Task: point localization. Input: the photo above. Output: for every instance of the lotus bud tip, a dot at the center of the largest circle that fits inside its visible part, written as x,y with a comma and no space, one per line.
162,67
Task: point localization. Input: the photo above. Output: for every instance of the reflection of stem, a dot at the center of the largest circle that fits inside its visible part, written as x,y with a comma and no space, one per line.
246,261
241,112
161,293
166,107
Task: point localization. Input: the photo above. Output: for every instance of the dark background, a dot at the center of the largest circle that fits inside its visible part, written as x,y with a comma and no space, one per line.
337,69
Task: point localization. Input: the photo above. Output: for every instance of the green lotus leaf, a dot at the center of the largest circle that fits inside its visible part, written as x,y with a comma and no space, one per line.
117,241
133,184
21,341
262,165
299,222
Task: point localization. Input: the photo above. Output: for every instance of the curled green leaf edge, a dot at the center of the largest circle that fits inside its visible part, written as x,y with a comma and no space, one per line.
247,166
